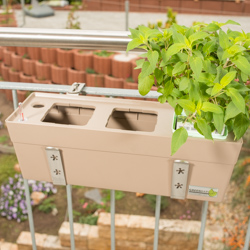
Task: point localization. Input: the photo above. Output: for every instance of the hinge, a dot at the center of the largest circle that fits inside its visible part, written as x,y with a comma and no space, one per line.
76,88
179,179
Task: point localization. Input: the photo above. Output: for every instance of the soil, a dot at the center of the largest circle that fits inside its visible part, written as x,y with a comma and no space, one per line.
49,224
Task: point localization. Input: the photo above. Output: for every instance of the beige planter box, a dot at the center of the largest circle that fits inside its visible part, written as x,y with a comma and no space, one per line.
116,144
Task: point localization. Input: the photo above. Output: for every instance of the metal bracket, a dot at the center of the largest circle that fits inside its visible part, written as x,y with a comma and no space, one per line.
76,88
56,166
179,179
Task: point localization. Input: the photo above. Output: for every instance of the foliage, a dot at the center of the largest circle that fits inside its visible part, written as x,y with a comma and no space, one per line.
6,167
118,195
3,138
72,21
152,201
171,19
234,238
103,53
130,79
12,200
90,71
90,219
195,70
47,205
92,207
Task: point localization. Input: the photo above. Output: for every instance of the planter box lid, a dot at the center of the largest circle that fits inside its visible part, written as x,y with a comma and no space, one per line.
111,125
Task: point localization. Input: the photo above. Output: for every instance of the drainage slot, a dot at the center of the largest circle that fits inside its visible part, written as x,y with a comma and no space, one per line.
130,120
69,115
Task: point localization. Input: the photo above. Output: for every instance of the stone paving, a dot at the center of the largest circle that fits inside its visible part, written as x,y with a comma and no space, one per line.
102,20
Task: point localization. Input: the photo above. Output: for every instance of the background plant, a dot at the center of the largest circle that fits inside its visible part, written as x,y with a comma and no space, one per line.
152,201
13,201
195,70
47,205
72,22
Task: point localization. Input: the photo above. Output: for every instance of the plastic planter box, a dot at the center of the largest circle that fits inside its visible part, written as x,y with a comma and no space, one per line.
117,144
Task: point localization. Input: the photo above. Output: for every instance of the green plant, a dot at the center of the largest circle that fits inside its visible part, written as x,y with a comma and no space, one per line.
201,70
90,71
103,53
26,56
47,205
130,79
6,167
171,19
152,201
90,219
118,195
72,21
4,138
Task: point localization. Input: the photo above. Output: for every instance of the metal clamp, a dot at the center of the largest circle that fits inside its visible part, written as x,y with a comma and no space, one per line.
76,88
179,179
56,166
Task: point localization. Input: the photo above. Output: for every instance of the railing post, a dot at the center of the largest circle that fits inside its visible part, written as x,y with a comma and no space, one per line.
26,189
126,14
112,211
203,224
71,220
247,241
157,218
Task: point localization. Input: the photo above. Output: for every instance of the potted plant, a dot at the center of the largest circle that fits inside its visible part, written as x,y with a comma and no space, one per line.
25,78
83,59
40,80
17,61
21,51
102,62
7,57
43,70
34,53
75,75
28,66
93,79
59,74
48,55
113,82
194,70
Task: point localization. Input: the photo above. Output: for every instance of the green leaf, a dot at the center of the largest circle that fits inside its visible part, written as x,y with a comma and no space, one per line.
210,107
145,84
228,78
184,83
216,89
204,127
168,88
178,68
207,78
178,109
159,75
177,37
231,111
178,139
136,42
219,121
174,49
187,105
212,27
209,47
162,99
196,66
235,49
182,56
224,40
134,33
237,99
153,58
244,77
197,36
241,124
146,69
139,63
243,64
232,22
212,193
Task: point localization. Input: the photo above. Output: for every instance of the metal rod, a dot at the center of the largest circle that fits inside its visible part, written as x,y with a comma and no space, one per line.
126,14
30,215
157,219
71,221
15,98
56,38
112,211
87,90
4,5
247,240
203,224
23,12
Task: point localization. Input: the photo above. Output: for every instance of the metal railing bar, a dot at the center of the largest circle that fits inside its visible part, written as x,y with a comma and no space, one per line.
203,224
112,211
70,213
87,90
247,240
23,13
157,219
26,189
57,38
